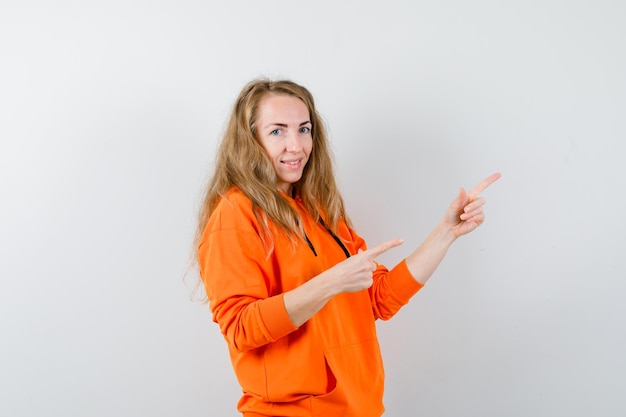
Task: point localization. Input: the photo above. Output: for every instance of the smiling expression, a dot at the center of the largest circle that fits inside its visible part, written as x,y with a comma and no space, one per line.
284,130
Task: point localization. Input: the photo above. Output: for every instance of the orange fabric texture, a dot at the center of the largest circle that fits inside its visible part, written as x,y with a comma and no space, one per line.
331,365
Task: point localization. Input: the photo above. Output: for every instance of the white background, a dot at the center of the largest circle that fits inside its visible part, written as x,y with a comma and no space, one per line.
110,114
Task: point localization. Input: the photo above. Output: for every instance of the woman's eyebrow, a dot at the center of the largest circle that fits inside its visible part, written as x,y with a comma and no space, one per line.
285,125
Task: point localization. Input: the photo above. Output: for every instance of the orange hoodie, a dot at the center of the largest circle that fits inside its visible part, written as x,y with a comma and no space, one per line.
331,365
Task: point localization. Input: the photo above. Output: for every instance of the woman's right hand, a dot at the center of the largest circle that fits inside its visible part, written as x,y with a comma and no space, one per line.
356,273
352,275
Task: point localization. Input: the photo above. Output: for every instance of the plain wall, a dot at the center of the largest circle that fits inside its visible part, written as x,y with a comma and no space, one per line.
110,114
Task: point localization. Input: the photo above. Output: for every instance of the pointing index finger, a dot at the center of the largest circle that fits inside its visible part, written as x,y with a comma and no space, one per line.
483,184
383,247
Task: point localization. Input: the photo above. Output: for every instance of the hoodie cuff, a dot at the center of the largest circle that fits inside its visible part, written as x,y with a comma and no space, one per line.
275,317
403,284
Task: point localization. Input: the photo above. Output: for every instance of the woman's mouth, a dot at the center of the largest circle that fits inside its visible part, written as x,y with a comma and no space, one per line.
292,164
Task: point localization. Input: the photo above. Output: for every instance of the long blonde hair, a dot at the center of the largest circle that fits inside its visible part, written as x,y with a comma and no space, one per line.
242,162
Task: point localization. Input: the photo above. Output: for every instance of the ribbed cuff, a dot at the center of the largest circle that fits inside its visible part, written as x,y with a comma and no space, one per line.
402,282
275,317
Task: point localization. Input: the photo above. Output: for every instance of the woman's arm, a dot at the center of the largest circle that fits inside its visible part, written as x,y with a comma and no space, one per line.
352,275
464,215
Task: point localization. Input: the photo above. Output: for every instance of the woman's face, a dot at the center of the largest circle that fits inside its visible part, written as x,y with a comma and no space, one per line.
284,130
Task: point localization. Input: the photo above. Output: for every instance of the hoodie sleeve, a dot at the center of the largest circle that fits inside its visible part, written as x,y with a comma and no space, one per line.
235,271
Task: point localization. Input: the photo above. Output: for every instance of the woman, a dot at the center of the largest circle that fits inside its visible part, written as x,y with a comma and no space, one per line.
293,288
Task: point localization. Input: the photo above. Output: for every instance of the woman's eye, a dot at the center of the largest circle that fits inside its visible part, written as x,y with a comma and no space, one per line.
305,129
275,132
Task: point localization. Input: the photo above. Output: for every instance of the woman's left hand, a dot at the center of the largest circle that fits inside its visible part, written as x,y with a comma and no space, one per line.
466,211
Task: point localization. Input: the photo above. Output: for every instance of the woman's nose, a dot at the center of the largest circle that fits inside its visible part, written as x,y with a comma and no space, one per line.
294,144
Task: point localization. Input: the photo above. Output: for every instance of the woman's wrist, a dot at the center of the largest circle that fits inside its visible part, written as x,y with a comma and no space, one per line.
442,235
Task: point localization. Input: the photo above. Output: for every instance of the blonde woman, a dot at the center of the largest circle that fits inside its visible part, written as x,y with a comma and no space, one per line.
292,286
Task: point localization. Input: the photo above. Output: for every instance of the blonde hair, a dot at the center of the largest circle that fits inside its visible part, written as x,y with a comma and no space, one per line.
242,162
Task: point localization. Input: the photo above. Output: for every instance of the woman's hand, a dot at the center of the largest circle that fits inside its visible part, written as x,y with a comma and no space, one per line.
466,211
352,275
356,273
